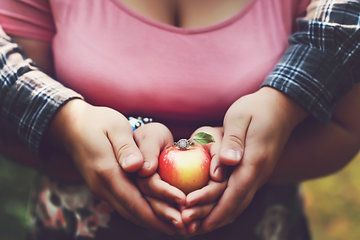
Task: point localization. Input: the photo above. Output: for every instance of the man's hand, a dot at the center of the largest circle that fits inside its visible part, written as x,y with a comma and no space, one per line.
200,203
100,141
164,199
256,128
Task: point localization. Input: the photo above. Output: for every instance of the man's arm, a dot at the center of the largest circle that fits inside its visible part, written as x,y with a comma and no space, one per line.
28,97
323,59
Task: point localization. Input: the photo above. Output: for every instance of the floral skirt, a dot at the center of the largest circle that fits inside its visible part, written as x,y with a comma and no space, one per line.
68,212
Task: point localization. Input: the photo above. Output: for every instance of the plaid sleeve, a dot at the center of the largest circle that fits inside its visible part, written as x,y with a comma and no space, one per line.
323,60
28,98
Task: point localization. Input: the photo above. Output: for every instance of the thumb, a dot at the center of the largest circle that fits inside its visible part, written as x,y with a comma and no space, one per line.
125,149
233,143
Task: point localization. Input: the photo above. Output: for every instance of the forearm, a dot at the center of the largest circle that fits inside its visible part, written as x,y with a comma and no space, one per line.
54,163
315,149
13,148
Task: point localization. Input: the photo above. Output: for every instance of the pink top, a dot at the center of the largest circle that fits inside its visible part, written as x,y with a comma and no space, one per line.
117,58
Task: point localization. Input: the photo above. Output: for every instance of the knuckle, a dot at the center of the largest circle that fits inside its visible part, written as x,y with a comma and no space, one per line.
204,211
234,112
129,206
207,195
158,126
233,138
124,149
94,187
259,159
164,192
151,131
152,184
139,134
118,122
105,171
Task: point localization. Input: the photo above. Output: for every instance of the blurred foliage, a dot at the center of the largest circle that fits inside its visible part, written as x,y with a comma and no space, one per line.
332,203
15,185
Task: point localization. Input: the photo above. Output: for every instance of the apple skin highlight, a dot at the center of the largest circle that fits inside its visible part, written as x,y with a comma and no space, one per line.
187,169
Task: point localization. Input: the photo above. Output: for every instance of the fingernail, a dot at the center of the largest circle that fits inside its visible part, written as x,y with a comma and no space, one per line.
147,165
219,172
194,228
188,214
231,154
130,160
176,223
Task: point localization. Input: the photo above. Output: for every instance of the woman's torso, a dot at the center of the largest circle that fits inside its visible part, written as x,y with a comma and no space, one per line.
118,58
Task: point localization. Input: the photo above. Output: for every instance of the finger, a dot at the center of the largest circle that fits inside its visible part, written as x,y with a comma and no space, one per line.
195,213
216,171
151,139
236,197
125,149
157,188
108,196
233,142
96,162
168,213
128,196
193,227
207,194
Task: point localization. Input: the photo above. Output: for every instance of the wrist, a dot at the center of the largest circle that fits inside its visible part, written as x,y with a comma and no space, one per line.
290,110
65,120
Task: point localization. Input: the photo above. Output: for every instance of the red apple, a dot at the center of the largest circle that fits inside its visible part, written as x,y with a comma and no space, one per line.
186,165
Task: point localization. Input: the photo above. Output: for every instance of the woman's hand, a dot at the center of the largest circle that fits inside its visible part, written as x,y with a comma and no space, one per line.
164,199
200,203
256,127
168,202
100,141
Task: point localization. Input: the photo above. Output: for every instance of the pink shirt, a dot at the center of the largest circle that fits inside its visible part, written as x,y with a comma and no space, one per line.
117,58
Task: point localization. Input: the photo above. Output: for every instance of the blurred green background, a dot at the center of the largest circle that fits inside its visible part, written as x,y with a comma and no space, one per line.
332,203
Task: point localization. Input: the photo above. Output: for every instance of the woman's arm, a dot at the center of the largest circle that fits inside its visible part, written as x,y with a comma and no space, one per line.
316,149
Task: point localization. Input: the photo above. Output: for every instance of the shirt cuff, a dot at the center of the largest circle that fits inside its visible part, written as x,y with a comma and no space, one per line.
31,103
310,76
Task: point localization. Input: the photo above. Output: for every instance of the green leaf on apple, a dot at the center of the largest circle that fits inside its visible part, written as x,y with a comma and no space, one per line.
203,138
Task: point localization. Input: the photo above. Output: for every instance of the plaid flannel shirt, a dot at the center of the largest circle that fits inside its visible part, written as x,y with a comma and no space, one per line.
28,98
323,60
320,65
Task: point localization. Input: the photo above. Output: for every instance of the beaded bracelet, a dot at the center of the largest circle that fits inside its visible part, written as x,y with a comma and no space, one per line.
138,122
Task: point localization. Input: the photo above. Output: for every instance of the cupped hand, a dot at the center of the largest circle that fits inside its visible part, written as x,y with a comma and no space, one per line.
101,143
164,199
256,128
168,202
200,203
